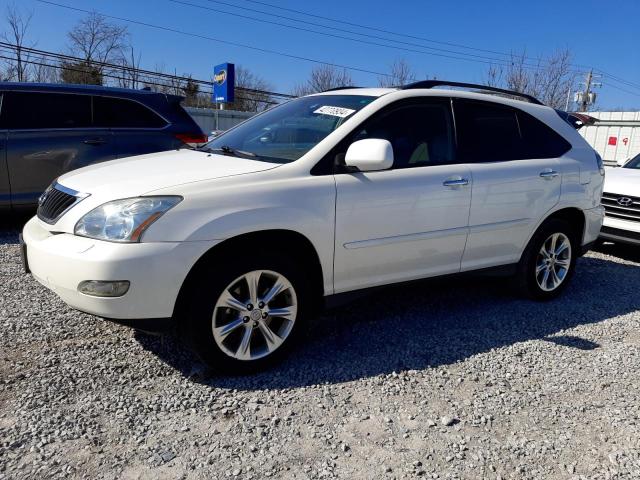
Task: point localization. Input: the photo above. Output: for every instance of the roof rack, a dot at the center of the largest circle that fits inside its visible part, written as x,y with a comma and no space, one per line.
344,87
442,83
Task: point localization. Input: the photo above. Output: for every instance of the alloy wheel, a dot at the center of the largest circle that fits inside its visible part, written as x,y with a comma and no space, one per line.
254,315
553,262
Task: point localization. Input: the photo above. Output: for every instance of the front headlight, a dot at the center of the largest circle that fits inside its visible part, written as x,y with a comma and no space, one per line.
124,220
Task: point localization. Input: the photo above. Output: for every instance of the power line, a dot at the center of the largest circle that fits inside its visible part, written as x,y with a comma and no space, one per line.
368,27
260,49
624,90
477,58
63,57
387,39
213,39
344,22
107,75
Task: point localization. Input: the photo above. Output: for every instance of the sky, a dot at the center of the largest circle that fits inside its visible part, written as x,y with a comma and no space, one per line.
600,35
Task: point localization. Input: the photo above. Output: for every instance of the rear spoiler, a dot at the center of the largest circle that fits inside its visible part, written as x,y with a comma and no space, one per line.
577,120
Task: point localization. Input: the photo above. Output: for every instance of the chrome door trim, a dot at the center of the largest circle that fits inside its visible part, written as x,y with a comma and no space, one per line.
411,237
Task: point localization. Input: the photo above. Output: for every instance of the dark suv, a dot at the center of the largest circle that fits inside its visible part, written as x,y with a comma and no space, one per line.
47,130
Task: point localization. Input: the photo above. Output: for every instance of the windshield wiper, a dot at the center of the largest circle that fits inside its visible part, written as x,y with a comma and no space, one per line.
227,150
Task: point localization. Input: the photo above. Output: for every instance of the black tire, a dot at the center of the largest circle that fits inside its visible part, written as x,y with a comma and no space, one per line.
525,279
212,279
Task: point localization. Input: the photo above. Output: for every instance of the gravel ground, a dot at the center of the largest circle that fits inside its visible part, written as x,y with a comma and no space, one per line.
442,380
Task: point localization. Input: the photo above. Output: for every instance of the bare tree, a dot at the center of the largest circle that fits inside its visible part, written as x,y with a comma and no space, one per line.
323,78
98,41
495,76
400,73
43,71
251,101
18,27
549,79
130,73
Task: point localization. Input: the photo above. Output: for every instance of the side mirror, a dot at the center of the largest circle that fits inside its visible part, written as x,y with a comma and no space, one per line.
369,155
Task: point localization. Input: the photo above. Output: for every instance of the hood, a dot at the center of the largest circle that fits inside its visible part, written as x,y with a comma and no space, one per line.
138,175
625,181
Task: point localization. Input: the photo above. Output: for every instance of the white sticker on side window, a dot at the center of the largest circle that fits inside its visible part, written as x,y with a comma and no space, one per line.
334,111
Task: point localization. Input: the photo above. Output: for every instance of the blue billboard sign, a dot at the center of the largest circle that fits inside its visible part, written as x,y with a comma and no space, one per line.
224,79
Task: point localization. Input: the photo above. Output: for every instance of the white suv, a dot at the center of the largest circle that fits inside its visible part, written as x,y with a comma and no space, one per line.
240,242
621,201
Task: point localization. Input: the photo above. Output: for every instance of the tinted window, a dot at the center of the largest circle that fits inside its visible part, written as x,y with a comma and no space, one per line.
540,140
120,113
420,135
633,163
489,132
31,110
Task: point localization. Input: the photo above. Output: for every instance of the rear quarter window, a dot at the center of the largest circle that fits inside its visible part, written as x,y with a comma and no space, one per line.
540,140
113,112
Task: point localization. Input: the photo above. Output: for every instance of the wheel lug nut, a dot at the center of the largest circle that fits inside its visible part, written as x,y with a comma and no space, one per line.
265,314
246,319
255,324
261,305
249,307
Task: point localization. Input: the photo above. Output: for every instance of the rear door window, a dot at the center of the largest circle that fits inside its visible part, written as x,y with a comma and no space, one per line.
35,110
112,112
489,132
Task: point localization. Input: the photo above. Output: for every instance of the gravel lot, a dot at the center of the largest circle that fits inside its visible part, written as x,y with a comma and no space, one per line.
442,380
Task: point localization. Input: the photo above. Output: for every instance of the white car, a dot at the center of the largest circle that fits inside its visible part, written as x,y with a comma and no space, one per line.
239,243
621,201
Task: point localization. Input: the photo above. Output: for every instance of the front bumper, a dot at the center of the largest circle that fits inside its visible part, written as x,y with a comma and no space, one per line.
618,230
156,271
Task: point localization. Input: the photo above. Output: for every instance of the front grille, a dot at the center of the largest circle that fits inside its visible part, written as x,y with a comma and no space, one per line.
617,232
626,209
55,201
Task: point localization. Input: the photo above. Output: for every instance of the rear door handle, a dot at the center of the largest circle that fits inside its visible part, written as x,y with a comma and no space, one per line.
548,173
94,141
455,182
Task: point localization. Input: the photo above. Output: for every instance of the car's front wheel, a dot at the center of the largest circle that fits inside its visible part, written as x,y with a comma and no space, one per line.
548,262
246,314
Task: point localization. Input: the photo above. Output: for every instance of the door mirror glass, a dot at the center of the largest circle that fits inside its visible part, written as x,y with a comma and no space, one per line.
369,155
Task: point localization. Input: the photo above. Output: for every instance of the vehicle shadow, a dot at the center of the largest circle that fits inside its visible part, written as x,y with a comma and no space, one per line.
10,226
621,250
430,324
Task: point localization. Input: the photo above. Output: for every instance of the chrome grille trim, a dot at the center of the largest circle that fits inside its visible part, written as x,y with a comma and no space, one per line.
56,201
629,211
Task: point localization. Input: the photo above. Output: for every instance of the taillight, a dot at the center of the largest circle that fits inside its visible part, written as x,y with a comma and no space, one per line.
191,138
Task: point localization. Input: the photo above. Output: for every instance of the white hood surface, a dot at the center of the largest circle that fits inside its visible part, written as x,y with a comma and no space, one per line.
141,174
624,181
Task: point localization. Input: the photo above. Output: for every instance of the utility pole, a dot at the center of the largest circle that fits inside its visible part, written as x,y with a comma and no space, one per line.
587,97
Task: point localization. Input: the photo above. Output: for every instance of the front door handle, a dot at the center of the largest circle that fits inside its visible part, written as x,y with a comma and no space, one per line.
548,173
94,141
455,182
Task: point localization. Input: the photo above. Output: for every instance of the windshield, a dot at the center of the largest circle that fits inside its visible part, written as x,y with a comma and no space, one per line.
633,163
286,132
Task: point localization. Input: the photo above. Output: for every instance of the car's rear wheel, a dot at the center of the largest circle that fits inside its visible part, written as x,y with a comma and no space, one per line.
548,262
246,314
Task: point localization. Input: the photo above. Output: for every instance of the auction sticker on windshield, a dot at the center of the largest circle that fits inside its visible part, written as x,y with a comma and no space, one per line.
334,111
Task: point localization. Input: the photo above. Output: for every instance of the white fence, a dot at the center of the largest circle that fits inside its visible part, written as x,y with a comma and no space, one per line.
615,136
206,118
